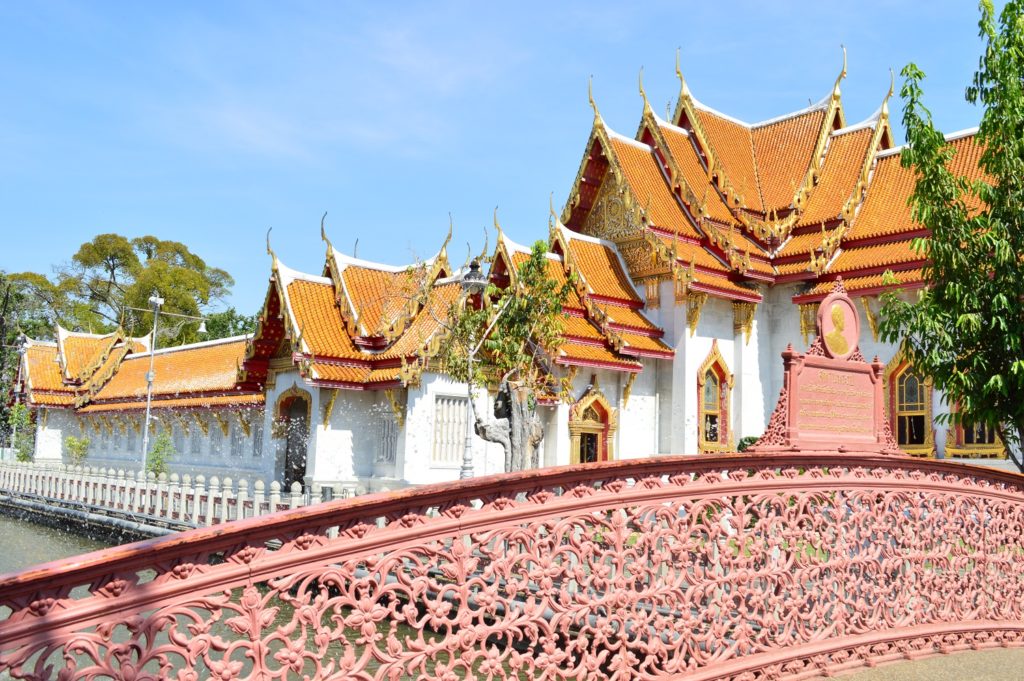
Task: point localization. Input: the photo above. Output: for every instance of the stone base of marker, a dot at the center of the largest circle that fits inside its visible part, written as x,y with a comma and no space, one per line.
831,397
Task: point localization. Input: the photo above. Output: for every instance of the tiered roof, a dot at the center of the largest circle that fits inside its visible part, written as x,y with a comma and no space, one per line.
360,326
605,325
722,207
107,372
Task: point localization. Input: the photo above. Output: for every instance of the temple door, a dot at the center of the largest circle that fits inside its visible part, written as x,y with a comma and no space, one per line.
297,440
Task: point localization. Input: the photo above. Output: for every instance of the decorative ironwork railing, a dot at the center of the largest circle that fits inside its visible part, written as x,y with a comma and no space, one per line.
736,567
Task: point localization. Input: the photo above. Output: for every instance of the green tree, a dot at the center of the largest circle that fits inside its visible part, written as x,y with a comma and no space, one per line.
228,323
965,329
523,326
112,273
23,435
160,453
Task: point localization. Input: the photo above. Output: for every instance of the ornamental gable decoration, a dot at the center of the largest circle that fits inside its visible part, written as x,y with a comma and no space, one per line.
831,397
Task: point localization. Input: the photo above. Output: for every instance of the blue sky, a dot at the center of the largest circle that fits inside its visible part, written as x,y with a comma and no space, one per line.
208,122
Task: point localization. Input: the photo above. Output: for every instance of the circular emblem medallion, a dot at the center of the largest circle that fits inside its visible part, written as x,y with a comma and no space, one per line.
838,325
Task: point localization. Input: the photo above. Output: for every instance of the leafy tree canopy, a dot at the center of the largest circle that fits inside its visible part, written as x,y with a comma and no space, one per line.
111,274
966,328
517,330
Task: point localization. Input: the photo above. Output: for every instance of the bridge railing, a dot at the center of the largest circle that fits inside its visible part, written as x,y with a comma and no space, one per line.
737,567
175,499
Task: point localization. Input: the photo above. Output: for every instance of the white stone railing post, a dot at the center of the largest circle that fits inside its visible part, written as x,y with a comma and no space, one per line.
275,495
160,498
257,497
188,496
227,506
212,499
173,497
242,499
296,495
199,507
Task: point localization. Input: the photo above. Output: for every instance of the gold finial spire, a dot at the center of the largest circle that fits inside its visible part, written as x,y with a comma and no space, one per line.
451,228
590,95
497,225
270,251
640,80
323,234
892,86
842,74
684,90
551,208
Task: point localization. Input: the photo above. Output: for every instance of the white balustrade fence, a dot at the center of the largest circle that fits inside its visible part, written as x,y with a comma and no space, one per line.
177,499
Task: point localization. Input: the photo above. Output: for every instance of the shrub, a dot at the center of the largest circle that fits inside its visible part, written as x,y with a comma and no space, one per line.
160,454
77,448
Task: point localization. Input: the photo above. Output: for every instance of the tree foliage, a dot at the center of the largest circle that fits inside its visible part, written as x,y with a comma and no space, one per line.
517,331
111,273
228,323
966,328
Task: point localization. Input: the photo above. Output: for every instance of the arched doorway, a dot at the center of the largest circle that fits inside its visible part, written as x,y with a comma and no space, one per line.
292,415
592,422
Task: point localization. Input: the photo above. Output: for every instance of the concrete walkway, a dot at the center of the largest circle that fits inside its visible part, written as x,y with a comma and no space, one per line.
1002,664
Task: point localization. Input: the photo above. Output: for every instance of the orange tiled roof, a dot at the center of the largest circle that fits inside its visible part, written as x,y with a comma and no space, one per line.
882,255
684,153
107,369
885,210
601,269
580,327
635,342
379,296
354,374
650,187
844,161
722,283
428,321
319,319
783,151
627,317
48,399
83,352
43,370
246,400
579,353
199,368
860,283
733,148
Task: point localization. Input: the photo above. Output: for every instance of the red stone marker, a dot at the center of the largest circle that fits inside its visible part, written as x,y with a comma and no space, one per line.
831,398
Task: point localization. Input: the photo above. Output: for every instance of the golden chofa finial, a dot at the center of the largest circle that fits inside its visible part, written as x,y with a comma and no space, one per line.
590,95
643,94
684,90
551,208
451,228
842,74
323,234
270,251
892,86
497,225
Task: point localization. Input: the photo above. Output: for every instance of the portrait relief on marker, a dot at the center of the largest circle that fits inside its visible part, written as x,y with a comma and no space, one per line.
838,325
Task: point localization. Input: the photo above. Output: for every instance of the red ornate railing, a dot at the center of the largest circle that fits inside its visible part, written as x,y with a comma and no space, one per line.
735,567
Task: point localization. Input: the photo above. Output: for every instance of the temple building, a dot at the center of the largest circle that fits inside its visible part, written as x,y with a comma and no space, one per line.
699,249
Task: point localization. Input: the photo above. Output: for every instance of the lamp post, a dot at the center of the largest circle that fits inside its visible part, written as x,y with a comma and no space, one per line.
473,282
156,302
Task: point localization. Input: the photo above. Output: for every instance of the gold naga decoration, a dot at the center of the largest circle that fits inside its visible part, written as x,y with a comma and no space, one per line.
397,408
222,421
329,407
627,390
743,318
694,305
808,320
871,315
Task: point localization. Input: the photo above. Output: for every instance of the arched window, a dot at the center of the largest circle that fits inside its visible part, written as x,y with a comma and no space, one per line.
909,397
714,390
592,425
974,441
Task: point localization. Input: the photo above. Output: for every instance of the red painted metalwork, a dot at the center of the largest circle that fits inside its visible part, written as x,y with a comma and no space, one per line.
731,567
